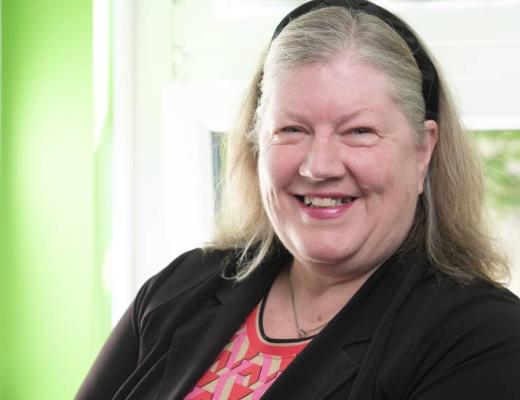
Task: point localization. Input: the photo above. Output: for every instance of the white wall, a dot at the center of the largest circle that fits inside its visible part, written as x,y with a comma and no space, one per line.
478,46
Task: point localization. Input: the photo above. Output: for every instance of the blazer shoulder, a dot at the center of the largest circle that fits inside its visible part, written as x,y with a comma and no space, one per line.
187,271
441,315
444,302
446,295
445,330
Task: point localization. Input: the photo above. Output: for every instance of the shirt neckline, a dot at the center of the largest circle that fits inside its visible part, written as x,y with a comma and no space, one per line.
267,345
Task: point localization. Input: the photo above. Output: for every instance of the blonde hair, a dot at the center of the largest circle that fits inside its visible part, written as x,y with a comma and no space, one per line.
449,223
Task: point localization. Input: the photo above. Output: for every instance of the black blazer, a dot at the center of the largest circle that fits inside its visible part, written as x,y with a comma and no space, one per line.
408,333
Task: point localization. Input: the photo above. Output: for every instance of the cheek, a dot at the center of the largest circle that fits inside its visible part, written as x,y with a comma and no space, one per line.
401,181
278,165
264,181
268,176
385,173
372,171
265,167
270,185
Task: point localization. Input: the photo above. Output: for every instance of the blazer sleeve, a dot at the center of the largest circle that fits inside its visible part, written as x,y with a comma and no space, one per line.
119,355
115,362
477,356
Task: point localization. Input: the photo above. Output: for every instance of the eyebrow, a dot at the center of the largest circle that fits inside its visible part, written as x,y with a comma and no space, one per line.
344,117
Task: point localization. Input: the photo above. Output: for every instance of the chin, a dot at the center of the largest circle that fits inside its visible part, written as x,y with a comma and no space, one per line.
325,254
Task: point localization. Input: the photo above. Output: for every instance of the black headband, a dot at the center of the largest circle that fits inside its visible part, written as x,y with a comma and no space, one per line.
430,82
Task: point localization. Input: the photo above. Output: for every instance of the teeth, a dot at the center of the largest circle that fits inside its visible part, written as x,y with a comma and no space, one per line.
325,201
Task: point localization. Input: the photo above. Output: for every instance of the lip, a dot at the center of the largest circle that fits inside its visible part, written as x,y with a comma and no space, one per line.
325,212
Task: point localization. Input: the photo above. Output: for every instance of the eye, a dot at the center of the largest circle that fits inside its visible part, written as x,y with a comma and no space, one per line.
361,131
360,136
291,129
288,134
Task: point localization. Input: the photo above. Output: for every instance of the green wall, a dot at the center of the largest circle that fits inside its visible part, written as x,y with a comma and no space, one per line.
54,313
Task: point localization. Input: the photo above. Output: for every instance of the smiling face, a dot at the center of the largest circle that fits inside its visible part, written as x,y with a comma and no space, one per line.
340,167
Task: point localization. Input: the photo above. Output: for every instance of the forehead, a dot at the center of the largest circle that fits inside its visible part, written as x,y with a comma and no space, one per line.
344,84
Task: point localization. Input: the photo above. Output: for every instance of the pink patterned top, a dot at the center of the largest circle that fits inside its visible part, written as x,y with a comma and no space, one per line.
247,366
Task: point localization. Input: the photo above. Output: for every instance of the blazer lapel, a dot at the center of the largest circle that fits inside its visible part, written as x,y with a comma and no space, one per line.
335,356
334,362
198,343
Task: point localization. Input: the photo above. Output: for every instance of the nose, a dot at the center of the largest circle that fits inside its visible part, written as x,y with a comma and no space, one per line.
323,160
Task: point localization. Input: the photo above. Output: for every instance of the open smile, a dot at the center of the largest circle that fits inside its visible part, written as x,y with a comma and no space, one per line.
324,202
324,207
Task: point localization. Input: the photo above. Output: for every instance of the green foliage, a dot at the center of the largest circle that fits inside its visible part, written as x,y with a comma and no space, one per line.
501,154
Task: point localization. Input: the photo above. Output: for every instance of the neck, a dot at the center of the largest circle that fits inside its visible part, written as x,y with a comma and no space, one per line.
316,300
312,284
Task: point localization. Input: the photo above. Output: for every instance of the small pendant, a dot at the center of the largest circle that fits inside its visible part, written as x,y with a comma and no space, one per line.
302,333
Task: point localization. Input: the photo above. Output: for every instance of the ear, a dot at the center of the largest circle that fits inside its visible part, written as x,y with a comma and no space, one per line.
425,150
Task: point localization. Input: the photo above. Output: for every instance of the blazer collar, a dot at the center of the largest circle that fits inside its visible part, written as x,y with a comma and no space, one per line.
339,349
198,343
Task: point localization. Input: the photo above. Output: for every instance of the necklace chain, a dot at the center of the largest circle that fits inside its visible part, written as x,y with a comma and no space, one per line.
302,333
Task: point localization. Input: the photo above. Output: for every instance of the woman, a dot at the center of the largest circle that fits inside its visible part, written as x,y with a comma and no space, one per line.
351,259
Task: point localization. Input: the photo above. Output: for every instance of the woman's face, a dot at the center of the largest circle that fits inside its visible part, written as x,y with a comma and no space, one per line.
340,167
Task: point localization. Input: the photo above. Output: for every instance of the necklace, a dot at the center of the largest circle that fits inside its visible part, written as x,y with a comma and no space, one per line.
302,333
